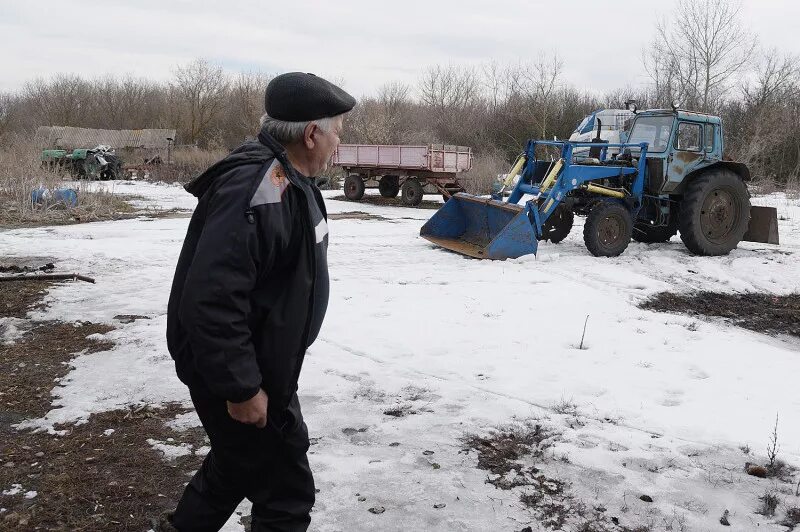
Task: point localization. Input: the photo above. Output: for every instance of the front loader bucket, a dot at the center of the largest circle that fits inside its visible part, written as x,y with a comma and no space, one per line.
481,228
763,225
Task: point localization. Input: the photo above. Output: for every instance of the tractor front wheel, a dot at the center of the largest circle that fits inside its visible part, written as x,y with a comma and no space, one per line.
558,225
715,213
354,187
608,229
412,193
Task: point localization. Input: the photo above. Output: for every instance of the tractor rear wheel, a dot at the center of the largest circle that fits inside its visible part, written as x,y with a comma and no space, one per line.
354,187
715,213
412,192
649,234
608,229
389,186
558,226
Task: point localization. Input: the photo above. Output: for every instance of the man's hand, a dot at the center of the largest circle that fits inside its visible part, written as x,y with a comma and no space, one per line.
252,412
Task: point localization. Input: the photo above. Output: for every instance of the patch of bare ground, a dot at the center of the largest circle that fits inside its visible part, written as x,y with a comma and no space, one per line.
29,366
92,478
509,455
99,475
18,297
374,199
355,215
758,312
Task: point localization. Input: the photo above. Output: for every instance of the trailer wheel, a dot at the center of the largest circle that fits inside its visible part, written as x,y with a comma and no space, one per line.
715,213
389,186
558,226
354,187
412,192
608,229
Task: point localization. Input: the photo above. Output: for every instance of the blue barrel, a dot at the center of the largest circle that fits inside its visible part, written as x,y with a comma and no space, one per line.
65,196
38,195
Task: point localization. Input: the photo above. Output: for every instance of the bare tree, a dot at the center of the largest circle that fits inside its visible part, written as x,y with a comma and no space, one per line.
63,100
763,127
697,54
8,103
451,95
381,120
495,81
542,80
245,105
126,103
203,89
449,87
775,74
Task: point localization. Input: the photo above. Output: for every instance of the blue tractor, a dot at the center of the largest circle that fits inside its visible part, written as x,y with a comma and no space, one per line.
669,176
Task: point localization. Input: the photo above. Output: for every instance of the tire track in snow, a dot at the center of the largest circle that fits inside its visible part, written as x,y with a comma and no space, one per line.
600,421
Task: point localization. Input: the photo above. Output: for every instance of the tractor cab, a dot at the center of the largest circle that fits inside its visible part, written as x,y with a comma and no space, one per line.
679,143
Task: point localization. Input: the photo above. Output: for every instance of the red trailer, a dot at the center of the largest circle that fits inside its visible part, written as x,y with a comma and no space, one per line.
412,170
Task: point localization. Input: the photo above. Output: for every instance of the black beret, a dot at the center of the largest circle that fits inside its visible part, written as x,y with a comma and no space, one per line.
301,97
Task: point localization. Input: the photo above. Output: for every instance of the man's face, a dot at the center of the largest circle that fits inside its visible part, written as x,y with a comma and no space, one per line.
323,145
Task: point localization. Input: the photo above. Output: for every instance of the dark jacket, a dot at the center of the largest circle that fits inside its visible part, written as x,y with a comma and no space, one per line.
251,284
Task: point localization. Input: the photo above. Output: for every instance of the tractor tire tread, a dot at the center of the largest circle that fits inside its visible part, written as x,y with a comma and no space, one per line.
689,219
354,187
412,193
591,230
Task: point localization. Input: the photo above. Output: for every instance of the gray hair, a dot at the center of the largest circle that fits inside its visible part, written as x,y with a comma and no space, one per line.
289,132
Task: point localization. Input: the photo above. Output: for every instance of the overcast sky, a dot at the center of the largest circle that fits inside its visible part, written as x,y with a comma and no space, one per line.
365,43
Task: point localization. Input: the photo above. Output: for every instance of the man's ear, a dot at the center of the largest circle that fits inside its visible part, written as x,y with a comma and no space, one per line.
308,135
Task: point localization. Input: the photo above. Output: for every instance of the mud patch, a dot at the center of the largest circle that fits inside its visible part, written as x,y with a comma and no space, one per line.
758,312
108,473
29,366
511,454
18,297
500,452
101,475
374,199
400,411
356,215
30,363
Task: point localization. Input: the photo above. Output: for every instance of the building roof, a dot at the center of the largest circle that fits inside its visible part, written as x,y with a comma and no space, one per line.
76,137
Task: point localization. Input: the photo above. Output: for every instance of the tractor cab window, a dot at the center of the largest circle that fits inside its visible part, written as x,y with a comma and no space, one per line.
709,144
655,130
688,137
586,125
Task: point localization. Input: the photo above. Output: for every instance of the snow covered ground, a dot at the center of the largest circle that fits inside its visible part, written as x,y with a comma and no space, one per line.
656,404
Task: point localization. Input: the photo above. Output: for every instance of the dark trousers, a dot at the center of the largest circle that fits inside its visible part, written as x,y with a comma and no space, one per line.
268,466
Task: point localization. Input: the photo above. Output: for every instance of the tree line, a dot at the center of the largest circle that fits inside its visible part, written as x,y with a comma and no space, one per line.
701,58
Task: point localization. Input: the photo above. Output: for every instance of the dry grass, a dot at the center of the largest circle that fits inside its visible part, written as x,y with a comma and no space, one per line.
768,504
21,172
485,169
760,186
792,518
185,165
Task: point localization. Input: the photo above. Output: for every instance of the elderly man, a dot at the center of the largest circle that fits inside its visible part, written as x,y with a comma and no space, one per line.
248,298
